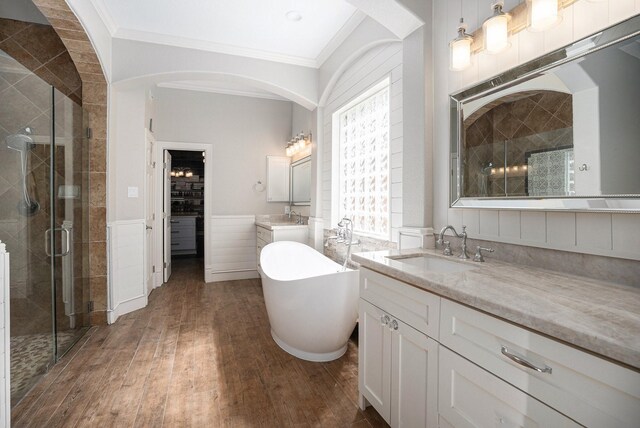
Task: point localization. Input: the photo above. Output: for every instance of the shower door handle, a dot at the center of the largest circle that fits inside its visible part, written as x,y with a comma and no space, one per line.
67,241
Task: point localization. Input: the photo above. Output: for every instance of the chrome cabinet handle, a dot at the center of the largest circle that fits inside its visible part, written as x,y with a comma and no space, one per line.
393,325
519,360
384,319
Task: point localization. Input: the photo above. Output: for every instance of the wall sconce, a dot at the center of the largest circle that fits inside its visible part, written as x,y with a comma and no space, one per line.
460,49
297,143
543,14
496,35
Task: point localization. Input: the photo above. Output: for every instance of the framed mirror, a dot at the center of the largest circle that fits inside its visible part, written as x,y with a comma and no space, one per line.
561,132
301,182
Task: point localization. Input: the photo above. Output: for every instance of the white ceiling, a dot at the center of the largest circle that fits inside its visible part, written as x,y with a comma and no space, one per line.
222,87
254,28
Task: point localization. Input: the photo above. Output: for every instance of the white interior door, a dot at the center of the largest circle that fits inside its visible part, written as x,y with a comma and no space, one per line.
166,215
150,213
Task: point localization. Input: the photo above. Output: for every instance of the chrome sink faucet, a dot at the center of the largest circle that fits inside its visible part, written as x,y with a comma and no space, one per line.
463,236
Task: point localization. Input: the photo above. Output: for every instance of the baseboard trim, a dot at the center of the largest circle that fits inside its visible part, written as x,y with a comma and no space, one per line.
230,276
125,307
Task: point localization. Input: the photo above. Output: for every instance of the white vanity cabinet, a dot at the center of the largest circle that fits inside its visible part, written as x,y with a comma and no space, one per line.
426,361
472,397
398,370
264,235
588,389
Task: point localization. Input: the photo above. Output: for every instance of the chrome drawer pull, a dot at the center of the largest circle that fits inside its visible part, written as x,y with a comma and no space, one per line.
523,362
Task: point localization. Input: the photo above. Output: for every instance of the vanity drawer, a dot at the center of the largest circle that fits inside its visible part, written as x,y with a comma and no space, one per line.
264,234
588,389
418,308
472,397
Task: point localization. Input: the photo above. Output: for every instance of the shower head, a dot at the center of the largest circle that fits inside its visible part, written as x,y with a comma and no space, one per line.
21,141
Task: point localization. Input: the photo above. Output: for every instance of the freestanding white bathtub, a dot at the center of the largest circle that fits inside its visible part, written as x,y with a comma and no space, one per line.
312,304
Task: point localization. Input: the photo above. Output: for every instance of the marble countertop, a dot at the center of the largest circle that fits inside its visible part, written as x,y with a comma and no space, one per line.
276,222
600,317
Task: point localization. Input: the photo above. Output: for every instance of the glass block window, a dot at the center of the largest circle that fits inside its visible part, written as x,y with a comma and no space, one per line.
364,164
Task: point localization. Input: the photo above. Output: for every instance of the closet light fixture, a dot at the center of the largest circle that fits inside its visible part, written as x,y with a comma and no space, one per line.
181,172
543,14
495,30
460,49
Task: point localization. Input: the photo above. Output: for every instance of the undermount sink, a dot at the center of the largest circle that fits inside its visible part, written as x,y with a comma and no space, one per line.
432,264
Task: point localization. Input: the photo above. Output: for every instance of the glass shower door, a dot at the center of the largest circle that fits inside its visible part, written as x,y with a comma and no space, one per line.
43,220
70,201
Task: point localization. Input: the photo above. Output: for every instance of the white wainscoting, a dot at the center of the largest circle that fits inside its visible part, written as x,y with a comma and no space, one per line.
233,248
5,372
127,268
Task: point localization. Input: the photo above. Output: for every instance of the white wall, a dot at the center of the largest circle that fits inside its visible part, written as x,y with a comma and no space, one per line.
242,131
604,234
126,153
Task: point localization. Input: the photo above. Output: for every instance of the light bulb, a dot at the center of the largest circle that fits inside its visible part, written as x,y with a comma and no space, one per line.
189,174
173,173
543,14
460,49
496,32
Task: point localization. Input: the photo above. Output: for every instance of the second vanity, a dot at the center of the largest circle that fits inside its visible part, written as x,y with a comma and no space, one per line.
453,343
278,228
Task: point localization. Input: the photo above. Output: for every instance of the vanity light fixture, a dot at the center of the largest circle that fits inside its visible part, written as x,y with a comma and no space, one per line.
543,14
460,49
496,34
297,143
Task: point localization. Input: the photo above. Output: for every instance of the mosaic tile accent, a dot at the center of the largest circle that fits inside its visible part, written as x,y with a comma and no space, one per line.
31,355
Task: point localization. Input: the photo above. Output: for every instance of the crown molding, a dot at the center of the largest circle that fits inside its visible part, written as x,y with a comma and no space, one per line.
339,38
189,86
105,16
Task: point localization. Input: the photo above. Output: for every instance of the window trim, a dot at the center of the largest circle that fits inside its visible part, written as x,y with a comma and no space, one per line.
385,82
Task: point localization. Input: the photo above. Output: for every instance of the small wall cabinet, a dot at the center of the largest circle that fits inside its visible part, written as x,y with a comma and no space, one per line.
278,178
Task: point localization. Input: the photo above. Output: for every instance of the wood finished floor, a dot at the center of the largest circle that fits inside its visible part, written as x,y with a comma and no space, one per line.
198,355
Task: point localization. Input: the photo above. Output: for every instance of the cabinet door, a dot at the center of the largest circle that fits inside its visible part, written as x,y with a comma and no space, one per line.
414,378
374,358
469,396
278,178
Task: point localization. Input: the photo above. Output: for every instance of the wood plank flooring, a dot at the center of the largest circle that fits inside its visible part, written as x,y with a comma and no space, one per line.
198,355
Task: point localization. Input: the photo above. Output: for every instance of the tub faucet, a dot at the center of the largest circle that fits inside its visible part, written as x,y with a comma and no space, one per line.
463,235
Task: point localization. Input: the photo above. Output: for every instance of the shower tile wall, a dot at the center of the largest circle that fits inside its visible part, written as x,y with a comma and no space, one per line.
521,123
39,49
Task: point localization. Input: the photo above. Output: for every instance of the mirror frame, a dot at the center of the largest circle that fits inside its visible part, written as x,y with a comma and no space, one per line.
529,70
299,162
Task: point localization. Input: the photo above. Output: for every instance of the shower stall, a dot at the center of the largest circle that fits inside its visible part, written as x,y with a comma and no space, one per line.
44,204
